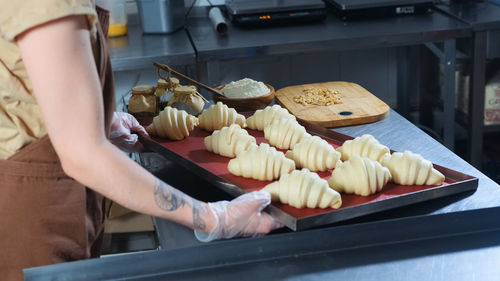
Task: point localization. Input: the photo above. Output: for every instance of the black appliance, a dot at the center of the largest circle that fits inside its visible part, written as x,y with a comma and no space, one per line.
355,9
253,13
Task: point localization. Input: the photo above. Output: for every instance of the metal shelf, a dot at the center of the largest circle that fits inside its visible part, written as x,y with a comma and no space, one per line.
492,128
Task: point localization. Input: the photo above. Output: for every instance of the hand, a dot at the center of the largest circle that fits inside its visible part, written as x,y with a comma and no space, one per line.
121,127
242,216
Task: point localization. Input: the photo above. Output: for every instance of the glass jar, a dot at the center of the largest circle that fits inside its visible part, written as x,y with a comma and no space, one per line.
118,24
143,102
162,88
187,98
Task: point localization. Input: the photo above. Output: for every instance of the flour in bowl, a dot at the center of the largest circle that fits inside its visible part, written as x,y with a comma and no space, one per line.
245,88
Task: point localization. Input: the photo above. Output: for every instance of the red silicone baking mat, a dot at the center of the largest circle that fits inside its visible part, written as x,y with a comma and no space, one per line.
192,153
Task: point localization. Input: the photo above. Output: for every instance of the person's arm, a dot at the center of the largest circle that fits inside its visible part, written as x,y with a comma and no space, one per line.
59,61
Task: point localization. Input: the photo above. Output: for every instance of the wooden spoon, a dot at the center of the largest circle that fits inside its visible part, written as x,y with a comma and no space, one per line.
201,85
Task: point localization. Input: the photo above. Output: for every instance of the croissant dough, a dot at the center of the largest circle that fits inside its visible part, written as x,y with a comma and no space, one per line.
364,146
304,189
263,117
220,115
285,133
359,175
172,123
229,141
315,154
261,162
410,168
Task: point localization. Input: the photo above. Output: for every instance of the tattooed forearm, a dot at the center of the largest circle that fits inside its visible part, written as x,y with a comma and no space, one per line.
168,198
198,221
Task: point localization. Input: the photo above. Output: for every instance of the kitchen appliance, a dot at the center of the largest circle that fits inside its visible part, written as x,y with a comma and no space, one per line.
274,12
161,16
351,9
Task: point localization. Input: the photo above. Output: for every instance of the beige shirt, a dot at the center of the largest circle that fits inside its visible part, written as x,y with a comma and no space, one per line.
20,118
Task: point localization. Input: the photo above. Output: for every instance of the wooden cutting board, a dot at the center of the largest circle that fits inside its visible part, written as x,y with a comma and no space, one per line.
358,105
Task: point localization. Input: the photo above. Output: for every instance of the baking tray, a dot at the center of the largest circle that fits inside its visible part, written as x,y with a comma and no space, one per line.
192,154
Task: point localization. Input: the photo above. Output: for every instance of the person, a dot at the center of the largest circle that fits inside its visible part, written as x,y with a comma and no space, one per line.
56,158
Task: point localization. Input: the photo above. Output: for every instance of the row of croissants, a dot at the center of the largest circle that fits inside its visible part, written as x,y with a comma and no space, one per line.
361,166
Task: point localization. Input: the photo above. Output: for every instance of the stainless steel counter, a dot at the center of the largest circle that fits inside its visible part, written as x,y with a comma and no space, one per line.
329,254
398,134
336,35
332,34
435,240
138,50
482,16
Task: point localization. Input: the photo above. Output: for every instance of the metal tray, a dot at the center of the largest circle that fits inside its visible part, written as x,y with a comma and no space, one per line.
192,154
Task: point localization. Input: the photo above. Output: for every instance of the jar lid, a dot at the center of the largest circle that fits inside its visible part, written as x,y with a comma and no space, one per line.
143,90
185,89
164,83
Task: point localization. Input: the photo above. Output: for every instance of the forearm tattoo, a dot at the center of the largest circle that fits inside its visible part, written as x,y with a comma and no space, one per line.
198,221
170,199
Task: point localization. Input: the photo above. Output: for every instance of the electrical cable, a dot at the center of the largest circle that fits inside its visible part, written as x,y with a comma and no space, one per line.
190,8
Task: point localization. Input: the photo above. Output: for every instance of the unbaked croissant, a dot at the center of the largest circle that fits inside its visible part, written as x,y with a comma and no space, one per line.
220,115
263,117
304,189
229,141
315,154
364,146
172,123
285,133
359,175
410,168
261,162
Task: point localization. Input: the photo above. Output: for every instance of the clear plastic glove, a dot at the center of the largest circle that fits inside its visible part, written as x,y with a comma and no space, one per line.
122,126
242,216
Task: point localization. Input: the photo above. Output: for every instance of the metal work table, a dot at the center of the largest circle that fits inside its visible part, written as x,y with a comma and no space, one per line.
398,134
484,19
335,35
137,50
455,237
332,34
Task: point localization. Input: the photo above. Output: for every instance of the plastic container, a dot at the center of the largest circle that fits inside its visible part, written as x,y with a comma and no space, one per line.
161,16
118,24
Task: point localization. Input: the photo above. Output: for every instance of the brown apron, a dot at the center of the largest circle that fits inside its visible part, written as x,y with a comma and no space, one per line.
47,217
